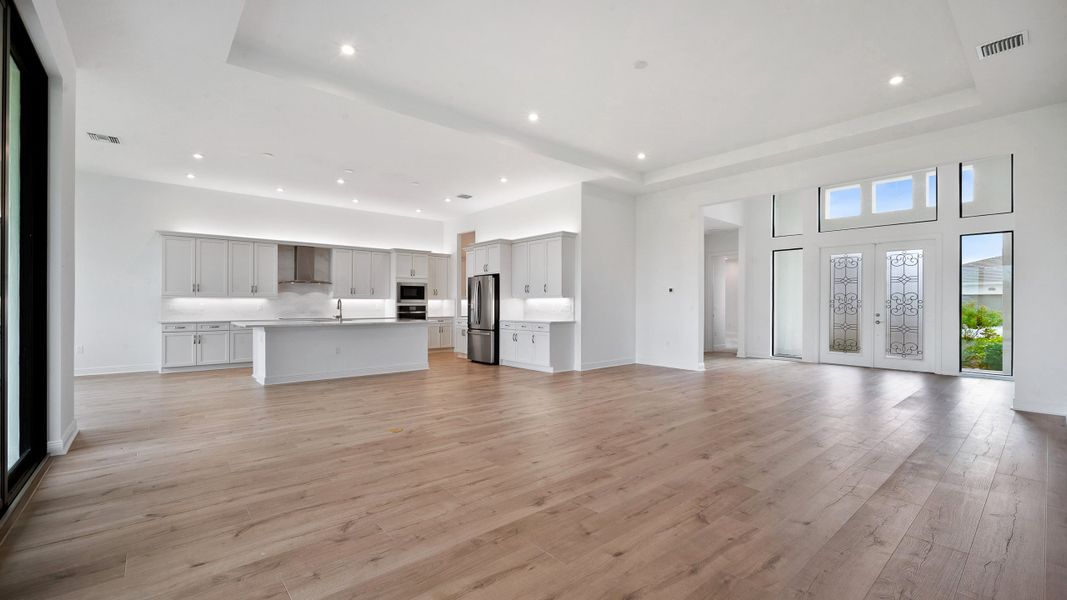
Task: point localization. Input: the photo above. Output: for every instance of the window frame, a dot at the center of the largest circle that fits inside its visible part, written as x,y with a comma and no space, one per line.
1011,187
1010,374
774,296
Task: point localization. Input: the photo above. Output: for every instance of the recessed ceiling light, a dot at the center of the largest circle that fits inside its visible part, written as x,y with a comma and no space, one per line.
640,156
896,80
533,117
340,181
197,155
503,180
355,200
347,50
418,210
266,155
190,176
349,171
279,189
448,199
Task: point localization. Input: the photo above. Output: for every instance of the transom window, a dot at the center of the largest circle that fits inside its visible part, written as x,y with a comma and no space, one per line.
844,202
909,197
891,195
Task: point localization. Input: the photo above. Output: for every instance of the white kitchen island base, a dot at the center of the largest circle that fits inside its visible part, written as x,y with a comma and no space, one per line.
293,351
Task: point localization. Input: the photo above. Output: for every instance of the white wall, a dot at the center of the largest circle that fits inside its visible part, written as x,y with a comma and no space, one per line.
118,302
669,244
608,252
49,38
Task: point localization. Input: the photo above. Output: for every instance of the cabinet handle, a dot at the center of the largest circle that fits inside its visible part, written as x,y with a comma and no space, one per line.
194,288
546,288
372,291
533,339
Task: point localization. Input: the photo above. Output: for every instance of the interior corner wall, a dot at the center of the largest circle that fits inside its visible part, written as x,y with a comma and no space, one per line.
49,37
117,306
608,283
670,235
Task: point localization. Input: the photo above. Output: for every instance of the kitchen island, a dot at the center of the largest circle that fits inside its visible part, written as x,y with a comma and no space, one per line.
288,351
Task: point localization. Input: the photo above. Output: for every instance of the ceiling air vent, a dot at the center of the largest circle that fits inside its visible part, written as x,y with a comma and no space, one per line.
1002,45
464,196
99,137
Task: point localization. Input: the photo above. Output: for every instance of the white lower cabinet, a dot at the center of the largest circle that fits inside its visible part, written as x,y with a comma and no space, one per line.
459,336
241,346
439,332
206,344
540,346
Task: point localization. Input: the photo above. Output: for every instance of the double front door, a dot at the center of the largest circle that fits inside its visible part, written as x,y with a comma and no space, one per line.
879,306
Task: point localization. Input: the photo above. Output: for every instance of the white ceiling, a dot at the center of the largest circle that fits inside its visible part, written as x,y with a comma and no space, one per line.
438,92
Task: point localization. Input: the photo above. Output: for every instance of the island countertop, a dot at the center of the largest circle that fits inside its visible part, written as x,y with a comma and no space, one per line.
291,323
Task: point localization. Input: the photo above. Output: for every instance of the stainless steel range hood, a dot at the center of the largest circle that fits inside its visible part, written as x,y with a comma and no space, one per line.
303,264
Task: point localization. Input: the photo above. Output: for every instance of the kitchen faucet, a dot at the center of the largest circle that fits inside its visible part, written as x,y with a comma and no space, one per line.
340,311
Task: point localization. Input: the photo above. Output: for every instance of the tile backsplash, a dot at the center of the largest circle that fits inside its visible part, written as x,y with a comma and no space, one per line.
294,300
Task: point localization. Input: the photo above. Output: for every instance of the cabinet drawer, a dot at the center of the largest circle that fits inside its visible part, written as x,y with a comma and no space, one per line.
218,326
539,326
179,327
509,325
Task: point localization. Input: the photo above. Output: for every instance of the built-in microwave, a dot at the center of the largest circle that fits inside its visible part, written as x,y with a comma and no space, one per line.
410,293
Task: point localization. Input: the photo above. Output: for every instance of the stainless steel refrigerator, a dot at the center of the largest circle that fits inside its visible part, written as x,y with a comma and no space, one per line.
483,318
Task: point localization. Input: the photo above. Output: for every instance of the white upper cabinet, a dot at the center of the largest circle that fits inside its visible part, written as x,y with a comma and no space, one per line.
212,267
472,262
179,266
438,284
253,269
412,265
380,275
543,267
361,274
486,260
265,283
341,273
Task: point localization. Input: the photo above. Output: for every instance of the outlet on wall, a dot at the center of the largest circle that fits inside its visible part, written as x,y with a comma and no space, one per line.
80,350
337,350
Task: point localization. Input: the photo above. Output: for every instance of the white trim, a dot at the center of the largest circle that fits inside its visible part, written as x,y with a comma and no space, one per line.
115,369
527,366
606,364
1044,408
215,367
60,447
343,374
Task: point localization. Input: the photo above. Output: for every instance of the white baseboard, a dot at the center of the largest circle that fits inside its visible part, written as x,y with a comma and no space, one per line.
194,368
59,447
344,373
1040,407
114,369
528,366
606,364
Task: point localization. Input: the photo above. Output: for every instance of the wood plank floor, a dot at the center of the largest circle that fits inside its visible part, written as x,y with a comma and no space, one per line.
754,479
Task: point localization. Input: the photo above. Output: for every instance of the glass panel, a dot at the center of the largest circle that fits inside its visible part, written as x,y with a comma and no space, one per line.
845,302
13,244
931,189
892,195
843,202
788,310
789,212
904,304
985,186
985,302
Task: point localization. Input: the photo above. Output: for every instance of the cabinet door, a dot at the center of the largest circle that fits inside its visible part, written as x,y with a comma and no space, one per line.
179,266
404,266
537,269
242,269
379,265
471,262
433,336
213,348
539,349
240,346
509,345
553,283
212,267
341,273
439,277
420,266
446,335
179,350
520,270
266,270
481,260
361,274
493,258
460,339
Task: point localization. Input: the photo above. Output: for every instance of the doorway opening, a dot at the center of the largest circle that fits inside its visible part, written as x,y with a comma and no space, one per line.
722,278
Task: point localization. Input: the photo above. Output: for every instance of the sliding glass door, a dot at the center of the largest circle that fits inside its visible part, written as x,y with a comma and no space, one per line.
23,258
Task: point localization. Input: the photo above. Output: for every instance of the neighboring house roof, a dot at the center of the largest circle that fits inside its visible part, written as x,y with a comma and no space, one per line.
985,275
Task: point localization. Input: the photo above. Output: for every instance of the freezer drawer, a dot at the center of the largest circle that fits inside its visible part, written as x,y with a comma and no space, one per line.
482,346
